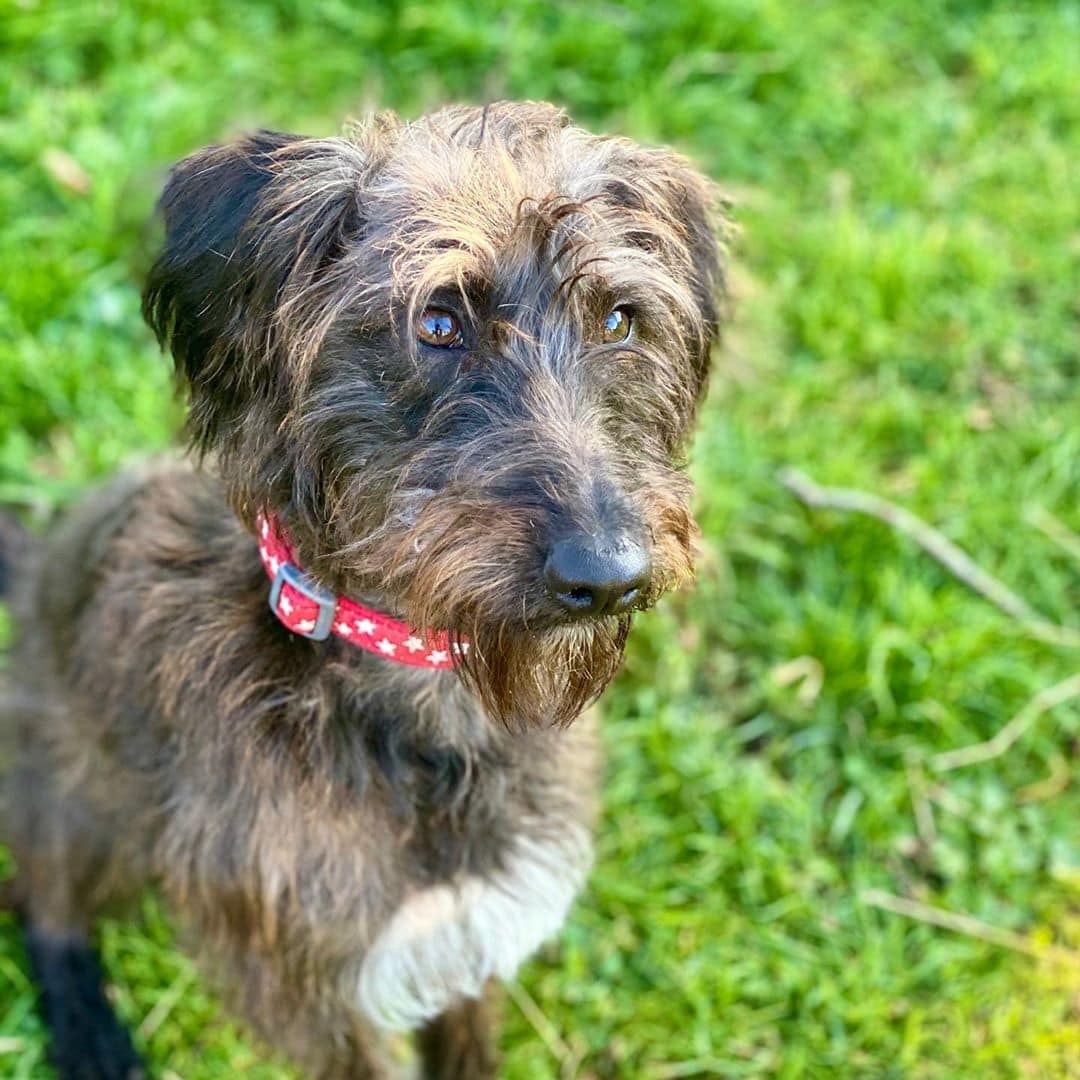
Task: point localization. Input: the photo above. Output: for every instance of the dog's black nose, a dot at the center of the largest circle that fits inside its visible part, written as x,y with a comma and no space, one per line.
597,577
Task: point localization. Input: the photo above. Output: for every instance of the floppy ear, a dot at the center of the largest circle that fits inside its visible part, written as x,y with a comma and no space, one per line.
245,225
661,187
698,205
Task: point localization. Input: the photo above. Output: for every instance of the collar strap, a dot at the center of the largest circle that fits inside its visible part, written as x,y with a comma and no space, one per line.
307,609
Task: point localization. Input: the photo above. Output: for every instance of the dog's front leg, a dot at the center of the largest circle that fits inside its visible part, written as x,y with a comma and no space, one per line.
66,873
290,1002
87,1040
459,1044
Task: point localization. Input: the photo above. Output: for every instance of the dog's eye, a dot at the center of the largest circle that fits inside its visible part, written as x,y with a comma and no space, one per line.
439,328
617,325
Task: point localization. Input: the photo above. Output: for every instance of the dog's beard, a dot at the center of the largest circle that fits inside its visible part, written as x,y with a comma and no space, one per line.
455,562
456,567
546,678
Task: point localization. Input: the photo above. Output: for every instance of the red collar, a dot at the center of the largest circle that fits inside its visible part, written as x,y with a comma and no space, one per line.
313,612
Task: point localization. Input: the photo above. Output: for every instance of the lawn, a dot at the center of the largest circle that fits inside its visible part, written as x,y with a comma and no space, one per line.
907,266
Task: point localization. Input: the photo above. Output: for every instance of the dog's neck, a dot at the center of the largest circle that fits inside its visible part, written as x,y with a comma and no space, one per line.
305,608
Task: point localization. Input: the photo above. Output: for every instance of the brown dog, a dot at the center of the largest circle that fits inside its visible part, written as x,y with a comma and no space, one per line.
449,370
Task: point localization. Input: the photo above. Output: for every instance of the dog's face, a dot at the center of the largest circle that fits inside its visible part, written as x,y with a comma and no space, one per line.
460,359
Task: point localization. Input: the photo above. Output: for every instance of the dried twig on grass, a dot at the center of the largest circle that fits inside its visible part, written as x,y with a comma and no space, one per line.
165,1004
1047,698
540,1023
1055,529
1049,786
961,923
934,543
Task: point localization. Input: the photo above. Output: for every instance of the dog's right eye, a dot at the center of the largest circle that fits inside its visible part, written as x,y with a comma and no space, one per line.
439,328
617,326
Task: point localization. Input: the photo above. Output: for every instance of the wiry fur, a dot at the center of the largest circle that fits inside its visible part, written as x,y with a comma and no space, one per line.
349,843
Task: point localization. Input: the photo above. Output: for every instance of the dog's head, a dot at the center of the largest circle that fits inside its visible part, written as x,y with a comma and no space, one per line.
460,358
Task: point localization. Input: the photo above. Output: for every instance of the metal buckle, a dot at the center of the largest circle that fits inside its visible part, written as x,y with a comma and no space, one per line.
326,600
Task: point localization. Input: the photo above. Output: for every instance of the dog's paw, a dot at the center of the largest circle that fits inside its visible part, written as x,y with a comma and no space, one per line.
87,1039
100,1049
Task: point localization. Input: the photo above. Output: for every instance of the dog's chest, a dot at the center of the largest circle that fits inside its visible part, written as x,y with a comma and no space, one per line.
444,942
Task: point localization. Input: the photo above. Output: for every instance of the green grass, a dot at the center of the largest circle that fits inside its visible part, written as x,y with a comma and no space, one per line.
909,201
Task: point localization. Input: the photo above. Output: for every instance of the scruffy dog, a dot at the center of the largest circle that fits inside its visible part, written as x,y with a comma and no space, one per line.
441,379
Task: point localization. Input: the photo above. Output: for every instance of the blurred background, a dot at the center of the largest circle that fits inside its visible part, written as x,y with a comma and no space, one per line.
793,881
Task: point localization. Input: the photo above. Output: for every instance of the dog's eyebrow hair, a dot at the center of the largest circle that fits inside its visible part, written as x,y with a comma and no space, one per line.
518,306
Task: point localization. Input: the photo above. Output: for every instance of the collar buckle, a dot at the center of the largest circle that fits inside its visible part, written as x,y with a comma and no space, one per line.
326,601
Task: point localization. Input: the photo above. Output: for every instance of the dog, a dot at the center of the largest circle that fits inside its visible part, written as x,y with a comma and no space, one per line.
325,682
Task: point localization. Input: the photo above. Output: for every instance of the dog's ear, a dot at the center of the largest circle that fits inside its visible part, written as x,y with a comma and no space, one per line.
246,226
698,205
681,216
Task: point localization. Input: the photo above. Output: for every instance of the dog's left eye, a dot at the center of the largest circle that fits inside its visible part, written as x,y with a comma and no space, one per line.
617,325
439,328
